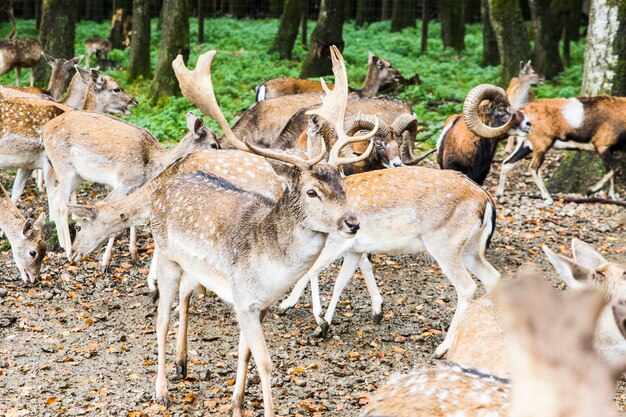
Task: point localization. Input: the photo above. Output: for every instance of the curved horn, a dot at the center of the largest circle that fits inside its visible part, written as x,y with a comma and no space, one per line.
405,126
470,111
402,122
283,157
335,159
197,87
367,122
419,159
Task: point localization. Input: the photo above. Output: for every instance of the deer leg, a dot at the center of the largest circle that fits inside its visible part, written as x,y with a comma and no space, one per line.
19,183
152,276
32,76
168,278
132,244
295,294
372,288
40,186
522,150
106,256
184,296
535,165
18,75
612,165
65,193
510,144
242,373
250,321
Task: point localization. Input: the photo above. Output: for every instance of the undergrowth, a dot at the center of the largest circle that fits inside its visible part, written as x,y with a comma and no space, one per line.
242,63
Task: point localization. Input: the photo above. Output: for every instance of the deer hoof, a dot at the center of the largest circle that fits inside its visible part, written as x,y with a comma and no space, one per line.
322,330
378,317
181,370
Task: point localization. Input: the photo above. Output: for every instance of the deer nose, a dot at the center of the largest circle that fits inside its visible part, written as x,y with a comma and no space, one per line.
397,164
351,223
134,102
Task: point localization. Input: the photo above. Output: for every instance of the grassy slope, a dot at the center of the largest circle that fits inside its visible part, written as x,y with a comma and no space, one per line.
242,63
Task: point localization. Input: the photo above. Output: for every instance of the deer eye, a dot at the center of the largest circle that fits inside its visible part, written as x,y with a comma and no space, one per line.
117,90
378,145
33,253
77,228
311,193
214,146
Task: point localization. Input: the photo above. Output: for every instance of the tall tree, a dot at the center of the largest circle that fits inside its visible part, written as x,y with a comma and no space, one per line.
276,7
385,10
238,8
288,29
139,61
425,17
402,14
328,31
548,17
58,26
453,24
93,10
365,12
571,32
605,73
174,41
513,44
491,57
201,6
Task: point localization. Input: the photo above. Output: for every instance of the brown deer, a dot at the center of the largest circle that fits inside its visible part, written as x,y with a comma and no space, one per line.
238,243
18,53
98,47
25,236
379,72
520,91
481,341
555,371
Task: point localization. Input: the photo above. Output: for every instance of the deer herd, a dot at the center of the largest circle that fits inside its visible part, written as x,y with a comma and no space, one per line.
311,174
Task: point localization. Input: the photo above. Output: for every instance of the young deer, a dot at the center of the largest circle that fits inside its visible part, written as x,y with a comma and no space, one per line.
481,340
520,92
379,72
98,47
96,223
80,147
22,121
18,53
245,248
556,371
25,236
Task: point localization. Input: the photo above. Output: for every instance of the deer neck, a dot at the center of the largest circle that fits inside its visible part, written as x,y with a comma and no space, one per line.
55,88
11,219
90,101
523,94
162,158
75,93
371,84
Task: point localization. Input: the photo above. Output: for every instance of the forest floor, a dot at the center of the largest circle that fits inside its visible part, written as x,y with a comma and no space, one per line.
83,343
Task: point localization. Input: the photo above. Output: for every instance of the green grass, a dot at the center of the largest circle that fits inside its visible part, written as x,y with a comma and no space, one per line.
242,63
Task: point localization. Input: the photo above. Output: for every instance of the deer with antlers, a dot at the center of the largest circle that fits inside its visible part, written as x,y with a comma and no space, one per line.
245,236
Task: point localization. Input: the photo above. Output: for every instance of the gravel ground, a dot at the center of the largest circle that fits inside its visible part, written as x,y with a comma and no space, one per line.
83,343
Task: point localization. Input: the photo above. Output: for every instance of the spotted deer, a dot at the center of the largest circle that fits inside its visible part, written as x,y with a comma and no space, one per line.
520,91
25,236
241,236
22,121
379,72
481,341
18,53
98,47
555,370
80,146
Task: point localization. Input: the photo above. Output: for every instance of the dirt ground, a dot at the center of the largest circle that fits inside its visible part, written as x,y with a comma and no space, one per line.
83,343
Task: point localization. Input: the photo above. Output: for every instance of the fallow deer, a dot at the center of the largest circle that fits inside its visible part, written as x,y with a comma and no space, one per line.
379,72
18,53
593,123
468,142
481,341
98,47
243,237
80,147
556,371
22,121
520,91
25,236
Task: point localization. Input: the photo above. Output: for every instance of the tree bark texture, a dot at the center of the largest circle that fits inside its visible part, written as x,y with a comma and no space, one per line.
491,57
513,45
58,24
238,8
579,170
365,12
287,33
402,14
385,12
174,41
201,7
424,40
601,58
571,32
328,31
139,60
453,24
93,10
548,18
619,48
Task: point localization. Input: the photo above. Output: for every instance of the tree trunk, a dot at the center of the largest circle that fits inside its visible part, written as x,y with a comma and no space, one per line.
38,7
571,32
288,30
174,41
276,8
237,8
491,57
579,170
364,12
139,60
117,33
513,45
93,10
58,24
201,21
349,12
402,15
424,46
453,24
304,23
328,31
619,48
548,17
385,13
472,12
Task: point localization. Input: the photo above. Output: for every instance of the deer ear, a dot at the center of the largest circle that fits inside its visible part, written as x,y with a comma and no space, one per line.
521,65
370,58
574,274
28,228
41,220
74,61
314,123
50,60
192,121
83,73
83,212
586,255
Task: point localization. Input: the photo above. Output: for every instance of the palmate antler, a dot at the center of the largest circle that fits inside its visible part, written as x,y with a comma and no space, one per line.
333,109
197,87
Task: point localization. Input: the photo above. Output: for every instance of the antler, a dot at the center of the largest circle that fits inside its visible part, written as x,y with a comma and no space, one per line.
197,87
333,109
302,164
